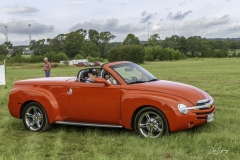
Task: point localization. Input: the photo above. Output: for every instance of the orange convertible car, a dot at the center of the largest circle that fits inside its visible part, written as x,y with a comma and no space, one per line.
137,100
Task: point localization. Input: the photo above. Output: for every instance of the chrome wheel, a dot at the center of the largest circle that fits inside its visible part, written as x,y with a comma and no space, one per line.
35,117
150,123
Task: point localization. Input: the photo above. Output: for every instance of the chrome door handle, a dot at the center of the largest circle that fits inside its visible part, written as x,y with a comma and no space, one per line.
69,91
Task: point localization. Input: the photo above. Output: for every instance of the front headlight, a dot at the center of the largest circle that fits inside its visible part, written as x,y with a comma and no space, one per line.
182,108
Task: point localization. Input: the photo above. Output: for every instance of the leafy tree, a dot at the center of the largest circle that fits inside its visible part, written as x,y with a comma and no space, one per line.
78,56
170,42
234,45
8,44
194,45
56,57
131,39
104,39
101,40
57,43
73,43
134,53
93,36
154,40
38,47
182,44
17,50
3,50
90,49
220,53
153,53
36,59
82,31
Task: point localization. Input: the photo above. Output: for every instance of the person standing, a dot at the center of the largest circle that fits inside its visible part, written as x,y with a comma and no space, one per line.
47,67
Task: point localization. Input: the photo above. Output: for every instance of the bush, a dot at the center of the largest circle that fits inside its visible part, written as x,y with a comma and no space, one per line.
35,59
134,53
92,59
156,52
78,56
55,57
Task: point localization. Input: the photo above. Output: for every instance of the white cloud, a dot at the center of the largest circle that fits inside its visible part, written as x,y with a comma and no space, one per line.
20,9
215,18
18,26
111,25
204,22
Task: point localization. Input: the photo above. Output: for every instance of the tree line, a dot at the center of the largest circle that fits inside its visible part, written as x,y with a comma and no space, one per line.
93,44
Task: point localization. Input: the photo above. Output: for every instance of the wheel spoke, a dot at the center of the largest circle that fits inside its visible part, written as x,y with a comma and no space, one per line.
40,118
32,123
150,132
157,117
38,124
29,115
143,125
158,129
148,117
34,110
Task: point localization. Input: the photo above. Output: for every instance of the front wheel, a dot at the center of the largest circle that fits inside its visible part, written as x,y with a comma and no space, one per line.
150,122
35,118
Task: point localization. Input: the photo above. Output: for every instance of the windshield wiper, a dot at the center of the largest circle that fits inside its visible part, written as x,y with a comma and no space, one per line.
154,79
136,82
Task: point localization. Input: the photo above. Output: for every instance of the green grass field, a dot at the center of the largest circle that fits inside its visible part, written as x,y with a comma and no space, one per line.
219,77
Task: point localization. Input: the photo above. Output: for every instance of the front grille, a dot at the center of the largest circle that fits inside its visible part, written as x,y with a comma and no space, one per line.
201,112
203,102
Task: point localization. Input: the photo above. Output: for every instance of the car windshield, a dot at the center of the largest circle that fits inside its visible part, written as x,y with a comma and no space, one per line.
133,73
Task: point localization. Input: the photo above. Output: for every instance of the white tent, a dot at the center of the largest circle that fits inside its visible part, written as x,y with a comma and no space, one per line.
3,74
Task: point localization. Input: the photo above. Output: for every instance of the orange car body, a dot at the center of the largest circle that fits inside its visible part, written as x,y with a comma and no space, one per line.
68,101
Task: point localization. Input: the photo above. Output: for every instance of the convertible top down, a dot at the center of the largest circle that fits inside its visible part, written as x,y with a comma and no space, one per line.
137,101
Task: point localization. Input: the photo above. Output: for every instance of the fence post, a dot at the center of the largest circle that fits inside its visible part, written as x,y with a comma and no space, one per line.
5,74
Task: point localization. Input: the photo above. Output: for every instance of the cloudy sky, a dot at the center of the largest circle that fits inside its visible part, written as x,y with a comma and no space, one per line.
48,18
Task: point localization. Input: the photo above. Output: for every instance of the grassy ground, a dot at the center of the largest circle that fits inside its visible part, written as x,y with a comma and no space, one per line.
219,77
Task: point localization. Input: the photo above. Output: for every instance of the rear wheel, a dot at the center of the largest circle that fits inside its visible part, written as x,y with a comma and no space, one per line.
150,122
35,118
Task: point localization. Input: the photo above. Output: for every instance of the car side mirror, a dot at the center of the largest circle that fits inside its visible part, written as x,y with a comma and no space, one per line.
101,80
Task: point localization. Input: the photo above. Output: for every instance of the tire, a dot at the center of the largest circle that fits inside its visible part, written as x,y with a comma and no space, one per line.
35,118
150,122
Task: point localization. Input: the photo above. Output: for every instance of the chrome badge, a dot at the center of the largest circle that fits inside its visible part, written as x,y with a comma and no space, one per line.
208,105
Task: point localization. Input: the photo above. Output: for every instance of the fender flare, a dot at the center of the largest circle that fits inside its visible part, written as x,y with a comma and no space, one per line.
133,101
41,96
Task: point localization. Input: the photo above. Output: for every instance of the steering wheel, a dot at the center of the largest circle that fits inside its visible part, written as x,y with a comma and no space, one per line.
134,79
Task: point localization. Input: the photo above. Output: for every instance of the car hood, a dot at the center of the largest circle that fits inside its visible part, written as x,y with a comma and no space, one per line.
188,92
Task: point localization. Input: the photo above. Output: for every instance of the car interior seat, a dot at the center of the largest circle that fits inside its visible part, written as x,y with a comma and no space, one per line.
83,76
103,74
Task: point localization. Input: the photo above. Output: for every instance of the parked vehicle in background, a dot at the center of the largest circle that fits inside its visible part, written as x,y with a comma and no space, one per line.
91,64
97,63
81,64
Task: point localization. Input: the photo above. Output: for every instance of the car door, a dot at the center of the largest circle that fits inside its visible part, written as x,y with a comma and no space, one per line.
95,102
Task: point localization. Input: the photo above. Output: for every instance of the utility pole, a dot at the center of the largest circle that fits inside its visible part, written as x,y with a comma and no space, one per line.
6,35
29,33
174,30
148,29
